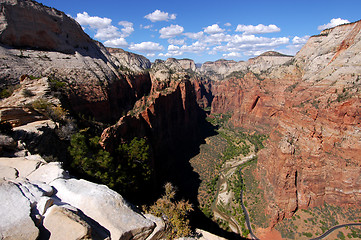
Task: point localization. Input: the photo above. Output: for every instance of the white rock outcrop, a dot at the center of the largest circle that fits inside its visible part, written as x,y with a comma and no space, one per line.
105,206
40,200
15,220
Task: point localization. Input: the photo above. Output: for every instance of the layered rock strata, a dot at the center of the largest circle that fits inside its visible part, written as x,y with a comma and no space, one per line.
309,106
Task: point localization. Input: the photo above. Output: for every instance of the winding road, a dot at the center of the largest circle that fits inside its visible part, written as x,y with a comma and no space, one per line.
335,228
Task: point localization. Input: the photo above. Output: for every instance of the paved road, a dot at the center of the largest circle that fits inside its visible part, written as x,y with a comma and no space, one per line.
335,228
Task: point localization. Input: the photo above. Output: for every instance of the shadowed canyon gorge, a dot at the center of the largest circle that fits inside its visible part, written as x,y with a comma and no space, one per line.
297,119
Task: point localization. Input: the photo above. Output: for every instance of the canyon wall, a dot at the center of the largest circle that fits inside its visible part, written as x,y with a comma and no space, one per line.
309,106
40,41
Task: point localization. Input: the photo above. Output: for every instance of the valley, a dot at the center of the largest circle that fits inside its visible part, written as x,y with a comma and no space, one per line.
267,148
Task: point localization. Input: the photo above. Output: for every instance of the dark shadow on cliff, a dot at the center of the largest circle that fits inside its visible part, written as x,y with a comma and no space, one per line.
174,166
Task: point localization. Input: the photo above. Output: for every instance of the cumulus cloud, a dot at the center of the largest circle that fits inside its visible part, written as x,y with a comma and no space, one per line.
146,47
213,29
228,24
127,28
93,22
197,35
109,32
260,28
118,42
176,41
253,53
300,40
158,15
171,31
297,44
196,47
232,55
172,51
249,45
333,23
104,30
217,38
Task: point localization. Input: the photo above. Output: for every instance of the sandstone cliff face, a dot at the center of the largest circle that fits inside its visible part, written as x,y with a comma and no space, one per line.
168,117
223,69
95,85
41,27
131,61
316,145
309,105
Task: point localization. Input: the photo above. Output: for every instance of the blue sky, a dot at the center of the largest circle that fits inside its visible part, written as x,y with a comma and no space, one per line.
207,30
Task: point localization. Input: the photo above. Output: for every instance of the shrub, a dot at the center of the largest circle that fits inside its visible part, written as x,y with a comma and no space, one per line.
56,85
173,212
307,234
28,93
6,92
56,113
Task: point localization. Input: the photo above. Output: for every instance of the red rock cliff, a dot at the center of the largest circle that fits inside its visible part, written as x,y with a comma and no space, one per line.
310,106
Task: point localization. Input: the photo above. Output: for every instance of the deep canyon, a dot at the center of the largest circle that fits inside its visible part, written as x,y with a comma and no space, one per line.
308,106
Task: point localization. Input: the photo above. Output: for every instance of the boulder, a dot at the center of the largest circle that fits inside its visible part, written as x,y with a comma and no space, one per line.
24,165
64,224
105,206
15,221
7,142
48,173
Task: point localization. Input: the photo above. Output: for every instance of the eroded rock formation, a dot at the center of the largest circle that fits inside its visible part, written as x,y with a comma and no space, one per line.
310,107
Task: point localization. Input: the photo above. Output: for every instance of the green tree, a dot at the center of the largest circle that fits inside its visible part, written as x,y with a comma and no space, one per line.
127,171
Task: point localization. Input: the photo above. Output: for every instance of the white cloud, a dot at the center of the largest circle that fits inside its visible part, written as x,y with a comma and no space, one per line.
118,42
217,38
150,54
333,23
232,55
260,28
253,53
228,24
197,35
146,26
173,48
127,28
104,30
297,44
109,32
176,41
248,45
196,47
300,40
171,31
158,15
146,47
213,29
93,22
252,40
172,51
